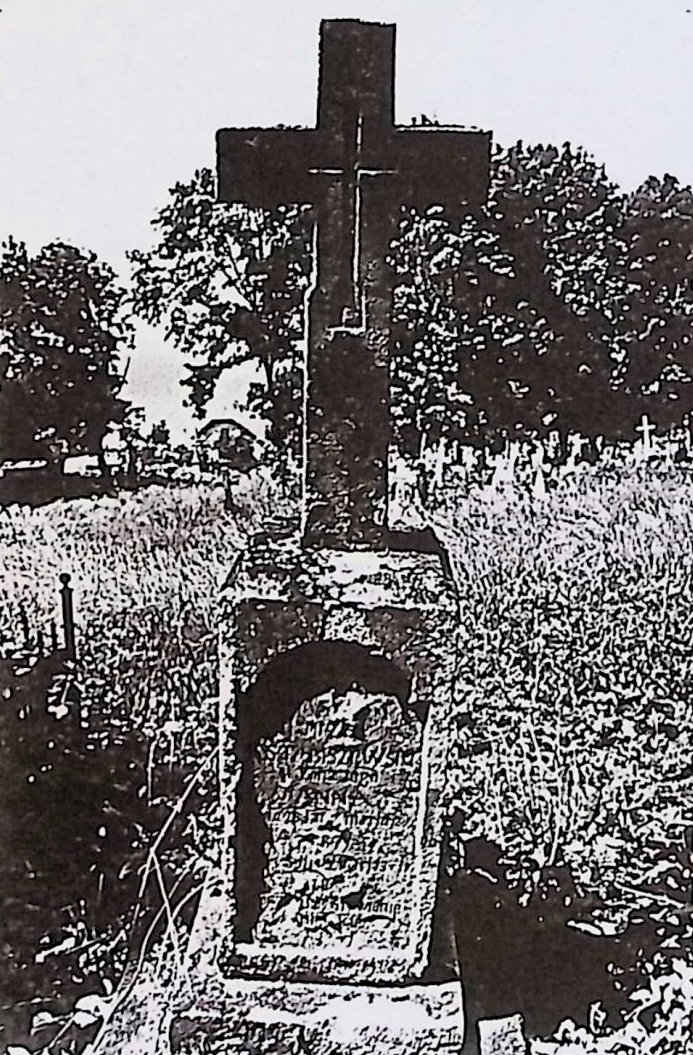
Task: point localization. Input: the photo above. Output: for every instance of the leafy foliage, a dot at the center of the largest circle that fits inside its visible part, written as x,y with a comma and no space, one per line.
659,1021
653,330
76,829
228,282
561,305
62,329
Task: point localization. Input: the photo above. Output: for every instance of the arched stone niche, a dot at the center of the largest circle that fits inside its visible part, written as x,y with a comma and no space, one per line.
328,798
338,690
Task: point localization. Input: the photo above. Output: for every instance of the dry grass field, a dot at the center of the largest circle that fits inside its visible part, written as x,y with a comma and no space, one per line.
575,661
145,568
576,670
147,548
575,649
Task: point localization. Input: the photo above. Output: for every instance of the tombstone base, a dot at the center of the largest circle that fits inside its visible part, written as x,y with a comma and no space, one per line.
350,897
313,1019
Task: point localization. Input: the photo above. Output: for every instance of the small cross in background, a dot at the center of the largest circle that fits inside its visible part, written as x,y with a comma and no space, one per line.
647,430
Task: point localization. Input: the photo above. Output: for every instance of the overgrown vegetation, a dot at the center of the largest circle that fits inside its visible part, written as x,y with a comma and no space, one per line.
228,283
63,331
562,305
575,675
574,735
97,756
659,1021
574,724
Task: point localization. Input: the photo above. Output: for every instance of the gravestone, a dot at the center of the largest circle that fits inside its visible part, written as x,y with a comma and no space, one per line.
341,766
337,642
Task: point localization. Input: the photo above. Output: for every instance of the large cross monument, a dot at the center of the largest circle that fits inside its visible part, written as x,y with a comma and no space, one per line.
337,645
357,169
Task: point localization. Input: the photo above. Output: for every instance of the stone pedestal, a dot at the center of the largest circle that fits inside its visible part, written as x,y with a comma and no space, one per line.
502,1036
258,1016
337,674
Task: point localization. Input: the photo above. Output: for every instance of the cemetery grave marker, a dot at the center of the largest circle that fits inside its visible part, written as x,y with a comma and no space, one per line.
337,643
646,430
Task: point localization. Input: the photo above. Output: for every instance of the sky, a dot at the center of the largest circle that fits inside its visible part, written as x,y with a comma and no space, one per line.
105,104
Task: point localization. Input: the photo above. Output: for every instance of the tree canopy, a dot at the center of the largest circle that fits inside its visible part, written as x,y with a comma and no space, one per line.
562,305
63,328
228,283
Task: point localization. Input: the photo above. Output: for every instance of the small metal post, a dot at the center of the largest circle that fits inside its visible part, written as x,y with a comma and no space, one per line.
68,616
54,636
26,630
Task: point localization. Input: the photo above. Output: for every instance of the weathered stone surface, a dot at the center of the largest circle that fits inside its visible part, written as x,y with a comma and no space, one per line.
340,791
337,648
338,696
283,1017
357,169
280,570
502,1036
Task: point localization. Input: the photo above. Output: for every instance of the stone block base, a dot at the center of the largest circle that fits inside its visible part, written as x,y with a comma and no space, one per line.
337,672
269,1018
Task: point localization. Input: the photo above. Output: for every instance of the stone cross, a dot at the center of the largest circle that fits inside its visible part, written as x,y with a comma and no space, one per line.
358,170
647,430
337,649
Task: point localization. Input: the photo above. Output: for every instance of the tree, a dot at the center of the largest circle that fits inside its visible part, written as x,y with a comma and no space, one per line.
63,326
512,309
654,325
562,305
559,306
229,282
555,213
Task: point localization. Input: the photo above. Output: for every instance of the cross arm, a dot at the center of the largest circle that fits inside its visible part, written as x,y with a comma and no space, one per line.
440,166
264,168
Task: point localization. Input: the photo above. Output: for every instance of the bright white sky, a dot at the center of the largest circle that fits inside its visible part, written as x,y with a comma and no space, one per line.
104,104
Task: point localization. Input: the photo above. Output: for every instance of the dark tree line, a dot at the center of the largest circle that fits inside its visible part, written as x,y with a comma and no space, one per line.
228,283
63,331
563,305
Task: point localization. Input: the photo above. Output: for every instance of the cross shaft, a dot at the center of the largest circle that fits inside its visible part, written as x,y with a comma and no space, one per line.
357,169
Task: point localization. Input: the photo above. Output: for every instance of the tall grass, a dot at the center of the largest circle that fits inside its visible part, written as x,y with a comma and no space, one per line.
575,674
575,661
573,737
142,549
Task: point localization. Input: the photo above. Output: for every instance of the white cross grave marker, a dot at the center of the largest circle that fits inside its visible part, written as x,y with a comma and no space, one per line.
647,430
